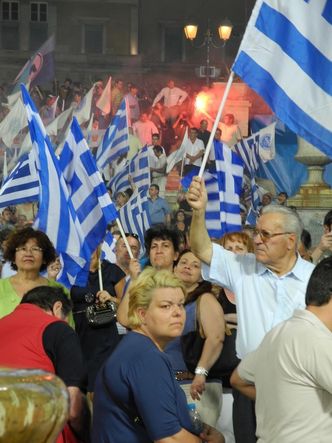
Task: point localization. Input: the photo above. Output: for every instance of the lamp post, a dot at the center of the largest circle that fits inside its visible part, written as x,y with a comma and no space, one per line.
224,32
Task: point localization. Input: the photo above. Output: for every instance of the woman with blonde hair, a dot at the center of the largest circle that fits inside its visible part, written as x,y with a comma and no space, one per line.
136,397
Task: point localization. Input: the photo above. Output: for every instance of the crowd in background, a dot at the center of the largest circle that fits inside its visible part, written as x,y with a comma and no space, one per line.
159,117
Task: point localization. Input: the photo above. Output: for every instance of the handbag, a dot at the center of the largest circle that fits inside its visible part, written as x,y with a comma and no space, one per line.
192,347
101,315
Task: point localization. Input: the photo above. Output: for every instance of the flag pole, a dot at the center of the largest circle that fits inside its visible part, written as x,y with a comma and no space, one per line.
123,235
215,125
100,276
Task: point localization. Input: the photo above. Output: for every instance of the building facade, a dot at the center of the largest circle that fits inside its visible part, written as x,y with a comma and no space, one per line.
97,38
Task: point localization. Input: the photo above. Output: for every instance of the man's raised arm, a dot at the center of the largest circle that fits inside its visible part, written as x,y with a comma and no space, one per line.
200,241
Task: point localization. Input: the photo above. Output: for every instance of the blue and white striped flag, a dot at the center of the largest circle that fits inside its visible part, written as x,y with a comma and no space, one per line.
285,56
223,190
258,146
88,193
139,170
56,215
229,170
134,215
116,140
22,184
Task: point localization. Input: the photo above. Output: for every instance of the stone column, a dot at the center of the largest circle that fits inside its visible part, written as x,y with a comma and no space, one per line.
315,193
314,198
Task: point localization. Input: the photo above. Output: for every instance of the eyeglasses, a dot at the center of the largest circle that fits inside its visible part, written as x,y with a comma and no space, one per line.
266,236
33,249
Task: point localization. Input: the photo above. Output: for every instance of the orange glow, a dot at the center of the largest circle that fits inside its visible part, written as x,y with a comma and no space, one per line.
201,102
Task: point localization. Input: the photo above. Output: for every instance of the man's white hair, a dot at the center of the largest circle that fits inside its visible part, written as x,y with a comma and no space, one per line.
291,220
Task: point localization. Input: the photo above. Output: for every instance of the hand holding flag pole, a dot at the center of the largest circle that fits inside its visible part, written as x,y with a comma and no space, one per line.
215,125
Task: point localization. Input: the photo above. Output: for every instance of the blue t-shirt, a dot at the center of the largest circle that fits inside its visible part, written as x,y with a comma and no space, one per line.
139,383
158,209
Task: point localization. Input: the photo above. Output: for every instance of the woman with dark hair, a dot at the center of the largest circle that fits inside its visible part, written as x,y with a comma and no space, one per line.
29,252
201,306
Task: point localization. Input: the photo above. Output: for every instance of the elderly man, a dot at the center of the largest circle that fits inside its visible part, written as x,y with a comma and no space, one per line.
268,285
293,386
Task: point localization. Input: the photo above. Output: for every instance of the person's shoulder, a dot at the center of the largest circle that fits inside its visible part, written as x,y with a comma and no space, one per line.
56,284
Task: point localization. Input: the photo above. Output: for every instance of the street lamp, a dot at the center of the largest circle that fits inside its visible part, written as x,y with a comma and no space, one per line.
224,32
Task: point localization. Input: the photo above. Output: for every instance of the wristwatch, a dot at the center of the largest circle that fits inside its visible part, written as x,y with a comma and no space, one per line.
201,371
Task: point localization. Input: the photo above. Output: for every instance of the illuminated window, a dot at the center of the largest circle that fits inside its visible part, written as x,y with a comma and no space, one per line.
9,11
38,12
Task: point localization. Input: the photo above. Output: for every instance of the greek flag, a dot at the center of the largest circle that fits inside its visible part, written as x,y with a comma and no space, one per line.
285,56
223,191
139,171
87,190
134,215
229,170
116,140
22,184
258,146
56,215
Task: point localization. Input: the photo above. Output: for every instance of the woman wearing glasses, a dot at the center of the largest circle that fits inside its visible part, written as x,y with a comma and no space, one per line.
29,252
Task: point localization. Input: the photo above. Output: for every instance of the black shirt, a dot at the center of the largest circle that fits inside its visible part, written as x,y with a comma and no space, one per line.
62,345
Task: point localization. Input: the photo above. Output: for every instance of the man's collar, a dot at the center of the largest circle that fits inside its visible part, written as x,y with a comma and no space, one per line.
298,269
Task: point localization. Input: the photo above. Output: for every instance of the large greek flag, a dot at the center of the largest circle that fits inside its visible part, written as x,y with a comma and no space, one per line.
56,215
88,192
116,139
286,57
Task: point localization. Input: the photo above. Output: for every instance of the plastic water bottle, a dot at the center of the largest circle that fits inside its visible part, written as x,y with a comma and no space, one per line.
195,418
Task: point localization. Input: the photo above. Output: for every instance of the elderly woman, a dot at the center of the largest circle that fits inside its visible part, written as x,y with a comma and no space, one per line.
137,398
202,306
29,252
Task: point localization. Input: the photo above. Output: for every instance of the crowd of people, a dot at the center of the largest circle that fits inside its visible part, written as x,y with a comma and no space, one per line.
258,301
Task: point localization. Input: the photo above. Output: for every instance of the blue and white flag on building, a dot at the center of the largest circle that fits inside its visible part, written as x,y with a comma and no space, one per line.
87,190
139,171
116,139
56,215
134,215
285,56
22,184
260,145
223,191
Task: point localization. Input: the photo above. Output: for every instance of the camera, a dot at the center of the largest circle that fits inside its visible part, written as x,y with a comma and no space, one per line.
99,315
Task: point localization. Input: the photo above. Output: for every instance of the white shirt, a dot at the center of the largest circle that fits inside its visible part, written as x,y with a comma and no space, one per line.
291,370
157,162
193,149
172,96
263,299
